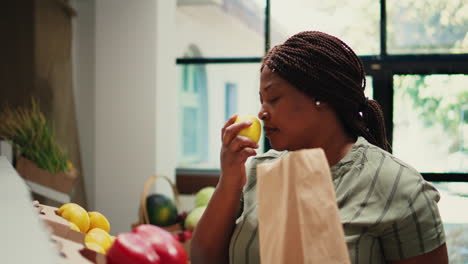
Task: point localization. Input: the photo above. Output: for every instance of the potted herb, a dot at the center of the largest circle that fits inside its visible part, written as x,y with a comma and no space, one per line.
40,157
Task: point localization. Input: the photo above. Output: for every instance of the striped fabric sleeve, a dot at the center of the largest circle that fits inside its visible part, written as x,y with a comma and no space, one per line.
241,205
419,231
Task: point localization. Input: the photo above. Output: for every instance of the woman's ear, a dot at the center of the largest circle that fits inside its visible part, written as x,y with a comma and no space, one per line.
319,104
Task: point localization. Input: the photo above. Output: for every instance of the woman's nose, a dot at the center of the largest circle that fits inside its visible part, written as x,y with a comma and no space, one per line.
262,114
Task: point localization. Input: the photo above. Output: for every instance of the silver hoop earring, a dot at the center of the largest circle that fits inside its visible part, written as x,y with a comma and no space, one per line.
317,103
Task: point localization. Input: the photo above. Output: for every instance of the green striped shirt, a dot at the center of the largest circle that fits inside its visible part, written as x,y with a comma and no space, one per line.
388,211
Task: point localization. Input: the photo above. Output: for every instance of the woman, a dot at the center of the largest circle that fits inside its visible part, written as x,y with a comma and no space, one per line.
312,96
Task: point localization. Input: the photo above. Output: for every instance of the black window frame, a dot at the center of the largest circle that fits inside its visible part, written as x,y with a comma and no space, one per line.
381,67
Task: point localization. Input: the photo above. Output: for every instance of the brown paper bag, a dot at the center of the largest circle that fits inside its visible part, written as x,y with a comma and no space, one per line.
297,211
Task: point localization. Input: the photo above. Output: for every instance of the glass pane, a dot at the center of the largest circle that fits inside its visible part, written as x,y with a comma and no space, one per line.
189,133
427,26
231,100
430,122
453,198
225,84
229,28
358,27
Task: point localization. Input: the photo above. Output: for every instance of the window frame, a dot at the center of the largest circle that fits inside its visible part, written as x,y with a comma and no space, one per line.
381,67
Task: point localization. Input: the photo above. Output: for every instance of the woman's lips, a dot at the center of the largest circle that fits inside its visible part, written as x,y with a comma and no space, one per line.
269,130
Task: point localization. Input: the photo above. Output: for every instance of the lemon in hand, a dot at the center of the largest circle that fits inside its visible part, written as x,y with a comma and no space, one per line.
98,220
253,131
100,237
75,214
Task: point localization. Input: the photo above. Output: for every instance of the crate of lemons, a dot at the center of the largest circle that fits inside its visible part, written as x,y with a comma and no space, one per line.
94,224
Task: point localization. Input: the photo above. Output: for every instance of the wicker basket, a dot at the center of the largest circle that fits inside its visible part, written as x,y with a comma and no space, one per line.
143,212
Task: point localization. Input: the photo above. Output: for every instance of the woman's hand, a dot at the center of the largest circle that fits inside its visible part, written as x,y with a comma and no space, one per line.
210,241
234,152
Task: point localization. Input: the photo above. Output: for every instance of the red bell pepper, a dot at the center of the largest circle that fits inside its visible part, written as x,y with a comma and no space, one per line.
166,246
131,248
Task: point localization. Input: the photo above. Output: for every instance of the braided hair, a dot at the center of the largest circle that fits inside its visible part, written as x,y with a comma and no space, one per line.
324,67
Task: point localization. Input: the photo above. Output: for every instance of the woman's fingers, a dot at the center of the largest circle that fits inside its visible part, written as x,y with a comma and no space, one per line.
230,132
246,153
230,121
235,151
239,143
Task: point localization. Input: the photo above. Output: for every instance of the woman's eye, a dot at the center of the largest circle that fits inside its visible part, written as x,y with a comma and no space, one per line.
274,100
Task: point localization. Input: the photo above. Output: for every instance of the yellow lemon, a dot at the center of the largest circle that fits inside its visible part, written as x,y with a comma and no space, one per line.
100,237
98,220
99,231
95,247
77,215
73,226
65,207
253,132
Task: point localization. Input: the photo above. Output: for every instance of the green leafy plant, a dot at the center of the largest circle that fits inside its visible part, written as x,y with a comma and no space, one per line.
29,132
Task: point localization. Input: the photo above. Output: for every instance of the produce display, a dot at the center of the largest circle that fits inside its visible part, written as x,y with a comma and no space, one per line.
145,244
202,197
182,236
73,226
194,217
131,248
75,214
161,210
165,240
99,237
93,224
97,220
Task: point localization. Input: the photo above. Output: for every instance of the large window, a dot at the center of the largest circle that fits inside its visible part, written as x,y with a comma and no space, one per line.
427,26
415,55
452,204
230,100
193,111
429,115
211,93
358,26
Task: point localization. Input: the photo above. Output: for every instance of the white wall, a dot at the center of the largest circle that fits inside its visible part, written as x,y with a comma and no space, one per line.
83,49
133,134
166,106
